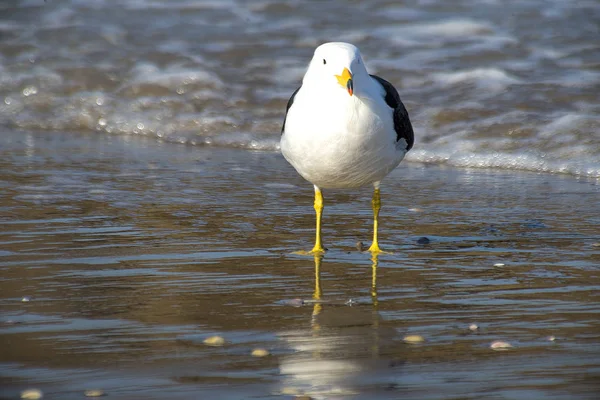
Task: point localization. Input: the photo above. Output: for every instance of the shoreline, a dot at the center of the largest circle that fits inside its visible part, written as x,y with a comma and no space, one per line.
440,162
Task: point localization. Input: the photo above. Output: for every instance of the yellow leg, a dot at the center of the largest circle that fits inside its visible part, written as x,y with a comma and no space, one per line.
318,249
376,203
319,211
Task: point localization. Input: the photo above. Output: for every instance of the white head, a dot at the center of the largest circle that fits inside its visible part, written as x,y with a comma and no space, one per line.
336,65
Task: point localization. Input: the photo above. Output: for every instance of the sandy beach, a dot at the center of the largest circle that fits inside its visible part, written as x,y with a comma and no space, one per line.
121,255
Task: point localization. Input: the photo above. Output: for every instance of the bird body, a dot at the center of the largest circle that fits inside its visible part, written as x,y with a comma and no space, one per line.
344,128
338,141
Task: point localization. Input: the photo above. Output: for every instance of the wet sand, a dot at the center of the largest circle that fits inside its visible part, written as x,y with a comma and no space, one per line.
129,252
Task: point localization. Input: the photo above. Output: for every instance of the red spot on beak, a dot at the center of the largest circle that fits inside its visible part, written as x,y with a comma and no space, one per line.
345,80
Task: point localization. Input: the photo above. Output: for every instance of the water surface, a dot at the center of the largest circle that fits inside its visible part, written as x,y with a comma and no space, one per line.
131,252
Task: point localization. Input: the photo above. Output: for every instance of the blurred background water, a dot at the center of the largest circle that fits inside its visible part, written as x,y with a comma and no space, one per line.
494,84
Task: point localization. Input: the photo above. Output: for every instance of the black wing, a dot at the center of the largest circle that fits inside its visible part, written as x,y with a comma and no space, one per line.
402,124
289,104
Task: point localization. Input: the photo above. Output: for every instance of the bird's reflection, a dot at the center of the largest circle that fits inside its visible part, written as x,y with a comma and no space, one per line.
318,293
375,261
347,346
318,258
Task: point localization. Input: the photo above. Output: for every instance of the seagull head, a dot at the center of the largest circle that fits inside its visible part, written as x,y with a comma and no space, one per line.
336,65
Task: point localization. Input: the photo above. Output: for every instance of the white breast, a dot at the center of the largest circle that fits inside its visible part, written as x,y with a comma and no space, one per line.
335,140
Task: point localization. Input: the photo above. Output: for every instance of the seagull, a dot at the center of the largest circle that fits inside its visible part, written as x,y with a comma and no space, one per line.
344,128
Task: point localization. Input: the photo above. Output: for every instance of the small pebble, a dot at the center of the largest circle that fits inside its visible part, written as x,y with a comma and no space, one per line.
294,302
499,265
214,341
25,299
350,302
360,246
473,327
32,394
551,338
94,393
500,345
416,209
260,352
290,391
423,240
414,339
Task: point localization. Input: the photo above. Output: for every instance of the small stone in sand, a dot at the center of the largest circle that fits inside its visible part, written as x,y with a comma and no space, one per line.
423,240
25,299
260,352
499,265
94,393
32,394
416,209
214,341
414,339
360,246
473,327
294,302
500,345
551,338
289,391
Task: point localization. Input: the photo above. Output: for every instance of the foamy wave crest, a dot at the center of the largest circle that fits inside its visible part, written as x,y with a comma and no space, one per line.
174,76
567,144
485,78
444,31
523,162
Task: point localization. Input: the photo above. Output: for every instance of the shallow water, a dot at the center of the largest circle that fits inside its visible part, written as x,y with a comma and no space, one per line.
488,84
131,252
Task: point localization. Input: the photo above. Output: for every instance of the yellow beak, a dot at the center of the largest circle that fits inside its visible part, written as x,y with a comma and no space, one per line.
345,79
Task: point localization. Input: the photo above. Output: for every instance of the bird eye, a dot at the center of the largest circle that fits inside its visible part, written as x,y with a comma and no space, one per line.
324,61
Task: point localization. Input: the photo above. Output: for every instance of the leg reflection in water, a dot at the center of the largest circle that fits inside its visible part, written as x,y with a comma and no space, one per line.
344,348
